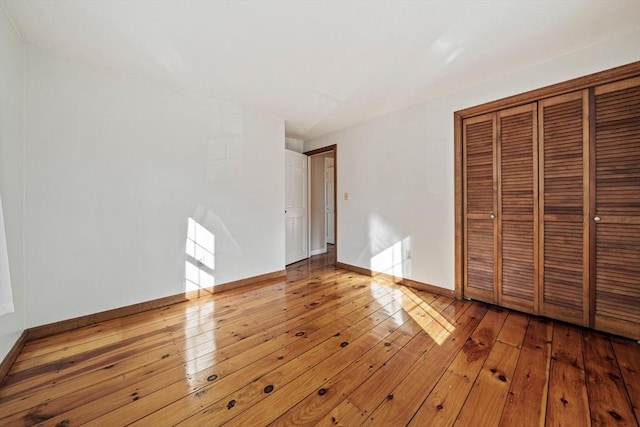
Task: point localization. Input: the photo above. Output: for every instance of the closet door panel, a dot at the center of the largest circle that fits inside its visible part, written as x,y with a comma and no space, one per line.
562,269
518,272
517,207
480,260
564,194
617,208
479,135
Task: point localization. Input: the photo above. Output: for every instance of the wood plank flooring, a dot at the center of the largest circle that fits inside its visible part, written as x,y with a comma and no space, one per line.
327,347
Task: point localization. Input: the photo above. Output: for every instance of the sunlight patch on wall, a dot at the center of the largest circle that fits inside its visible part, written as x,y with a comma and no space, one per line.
200,244
200,247
394,260
391,253
389,261
196,278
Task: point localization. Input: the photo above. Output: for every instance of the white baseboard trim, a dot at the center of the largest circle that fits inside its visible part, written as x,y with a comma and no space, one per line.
318,252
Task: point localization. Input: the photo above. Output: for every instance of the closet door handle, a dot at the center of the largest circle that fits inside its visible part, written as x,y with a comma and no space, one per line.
492,216
596,219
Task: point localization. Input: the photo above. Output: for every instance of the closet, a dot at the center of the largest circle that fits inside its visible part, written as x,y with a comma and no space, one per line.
548,202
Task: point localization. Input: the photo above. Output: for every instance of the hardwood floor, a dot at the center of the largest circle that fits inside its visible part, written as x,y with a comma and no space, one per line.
328,347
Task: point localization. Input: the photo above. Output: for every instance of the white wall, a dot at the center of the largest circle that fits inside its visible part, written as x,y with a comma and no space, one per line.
114,168
293,144
399,169
11,173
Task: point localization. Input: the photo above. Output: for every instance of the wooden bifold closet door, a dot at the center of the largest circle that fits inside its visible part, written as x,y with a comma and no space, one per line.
501,207
615,208
480,207
551,207
517,158
564,192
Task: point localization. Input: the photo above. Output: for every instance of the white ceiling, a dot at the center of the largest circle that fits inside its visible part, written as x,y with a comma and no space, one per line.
320,65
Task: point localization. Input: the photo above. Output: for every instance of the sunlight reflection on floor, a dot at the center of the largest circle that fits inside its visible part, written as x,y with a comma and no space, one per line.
429,319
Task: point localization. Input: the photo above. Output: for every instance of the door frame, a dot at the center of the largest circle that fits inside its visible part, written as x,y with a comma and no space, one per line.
322,150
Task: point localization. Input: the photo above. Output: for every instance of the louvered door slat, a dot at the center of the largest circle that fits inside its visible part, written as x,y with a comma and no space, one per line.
563,141
479,136
517,263
517,207
617,205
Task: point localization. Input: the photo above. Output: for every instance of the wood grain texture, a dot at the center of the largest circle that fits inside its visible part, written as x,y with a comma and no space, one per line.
517,208
564,283
480,206
608,399
567,403
629,363
616,179
527,398
449,394
325,347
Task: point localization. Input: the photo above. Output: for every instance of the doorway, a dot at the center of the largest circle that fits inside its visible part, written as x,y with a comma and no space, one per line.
322,201
329,200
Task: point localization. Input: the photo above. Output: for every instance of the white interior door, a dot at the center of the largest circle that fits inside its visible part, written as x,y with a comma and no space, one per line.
329,200
295,207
